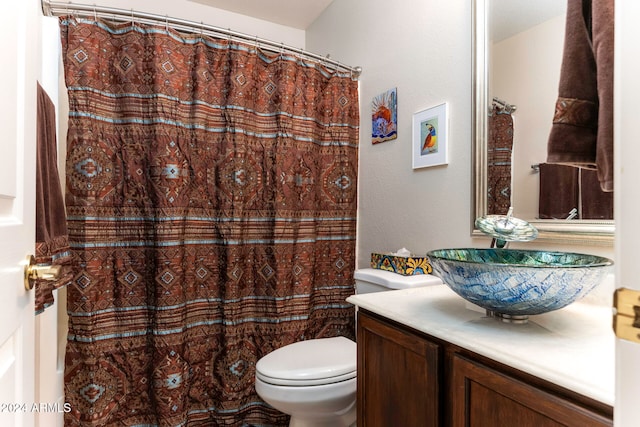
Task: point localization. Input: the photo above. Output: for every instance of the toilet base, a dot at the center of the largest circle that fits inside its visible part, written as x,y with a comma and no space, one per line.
348,419
329,405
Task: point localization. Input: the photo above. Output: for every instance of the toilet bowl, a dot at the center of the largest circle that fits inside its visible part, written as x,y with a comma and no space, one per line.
314,381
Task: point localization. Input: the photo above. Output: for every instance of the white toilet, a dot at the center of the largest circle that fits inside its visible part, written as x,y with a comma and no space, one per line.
314,381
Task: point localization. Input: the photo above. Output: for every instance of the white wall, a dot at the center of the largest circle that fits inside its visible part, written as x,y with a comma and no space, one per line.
527,75
196,12
422,47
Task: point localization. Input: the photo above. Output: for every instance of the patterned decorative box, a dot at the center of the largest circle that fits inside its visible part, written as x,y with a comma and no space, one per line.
405,265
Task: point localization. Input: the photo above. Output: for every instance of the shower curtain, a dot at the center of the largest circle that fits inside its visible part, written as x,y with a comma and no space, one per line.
211,202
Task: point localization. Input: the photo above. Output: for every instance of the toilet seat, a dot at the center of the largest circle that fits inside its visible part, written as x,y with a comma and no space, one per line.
305,383
307,363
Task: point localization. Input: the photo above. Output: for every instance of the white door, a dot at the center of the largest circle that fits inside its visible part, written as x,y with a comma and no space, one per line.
627,208
19,46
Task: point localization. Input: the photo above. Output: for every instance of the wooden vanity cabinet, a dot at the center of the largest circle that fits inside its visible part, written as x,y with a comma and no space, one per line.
481,396
398,383
407,378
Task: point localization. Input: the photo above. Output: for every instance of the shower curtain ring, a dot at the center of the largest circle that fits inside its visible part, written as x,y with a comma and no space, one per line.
95,14
166,22
326,62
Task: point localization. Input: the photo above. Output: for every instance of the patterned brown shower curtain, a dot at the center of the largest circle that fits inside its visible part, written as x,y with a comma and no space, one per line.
211,196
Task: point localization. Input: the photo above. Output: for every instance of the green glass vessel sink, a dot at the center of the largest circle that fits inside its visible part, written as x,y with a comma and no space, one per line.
513,284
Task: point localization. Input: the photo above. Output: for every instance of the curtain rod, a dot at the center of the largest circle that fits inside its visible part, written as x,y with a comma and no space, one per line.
52,8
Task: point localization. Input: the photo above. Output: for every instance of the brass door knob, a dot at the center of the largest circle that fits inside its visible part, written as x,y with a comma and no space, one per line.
33,271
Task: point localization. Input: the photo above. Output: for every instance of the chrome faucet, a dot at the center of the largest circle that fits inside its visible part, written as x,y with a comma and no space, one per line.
505,229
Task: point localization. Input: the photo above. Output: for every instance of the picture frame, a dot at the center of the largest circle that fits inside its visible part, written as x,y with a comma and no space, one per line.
384,116
430,137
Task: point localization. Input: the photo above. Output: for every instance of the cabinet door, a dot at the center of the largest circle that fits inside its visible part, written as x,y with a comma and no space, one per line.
397,376
483,397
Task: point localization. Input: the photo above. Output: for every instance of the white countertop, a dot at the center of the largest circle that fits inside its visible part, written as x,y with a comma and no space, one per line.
573,347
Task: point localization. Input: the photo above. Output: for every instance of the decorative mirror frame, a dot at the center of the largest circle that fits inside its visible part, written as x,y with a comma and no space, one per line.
588,232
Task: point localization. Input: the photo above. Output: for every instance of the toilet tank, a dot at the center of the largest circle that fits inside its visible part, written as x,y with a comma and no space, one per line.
373,280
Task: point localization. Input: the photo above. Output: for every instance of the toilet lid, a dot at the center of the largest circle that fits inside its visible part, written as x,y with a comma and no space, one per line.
311,362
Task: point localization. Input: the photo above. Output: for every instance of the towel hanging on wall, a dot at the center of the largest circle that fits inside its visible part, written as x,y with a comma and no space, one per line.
582,131
52,243
499,154
559,191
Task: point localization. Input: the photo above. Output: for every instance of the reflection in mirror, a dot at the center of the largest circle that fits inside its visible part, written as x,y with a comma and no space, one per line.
515,91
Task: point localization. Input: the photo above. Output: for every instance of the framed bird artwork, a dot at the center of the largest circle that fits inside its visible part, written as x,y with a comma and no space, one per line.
430,136
384,117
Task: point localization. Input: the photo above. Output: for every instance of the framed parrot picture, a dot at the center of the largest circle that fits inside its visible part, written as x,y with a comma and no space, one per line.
430,137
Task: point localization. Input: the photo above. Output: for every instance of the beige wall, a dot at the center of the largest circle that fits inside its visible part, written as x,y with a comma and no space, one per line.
422,47
526,72
192,11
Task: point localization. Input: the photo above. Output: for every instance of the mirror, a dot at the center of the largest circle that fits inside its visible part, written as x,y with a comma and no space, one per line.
485,79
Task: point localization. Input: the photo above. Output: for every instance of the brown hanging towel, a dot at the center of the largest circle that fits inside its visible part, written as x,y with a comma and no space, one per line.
500,148
52,243
558,191
582,131
596,204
